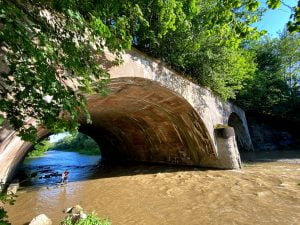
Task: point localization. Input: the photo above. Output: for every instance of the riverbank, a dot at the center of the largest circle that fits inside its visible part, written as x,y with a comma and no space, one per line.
83,151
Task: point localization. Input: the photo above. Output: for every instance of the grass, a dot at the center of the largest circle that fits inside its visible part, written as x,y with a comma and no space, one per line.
91,219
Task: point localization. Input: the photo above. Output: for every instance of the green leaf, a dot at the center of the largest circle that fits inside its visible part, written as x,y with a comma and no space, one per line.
2,119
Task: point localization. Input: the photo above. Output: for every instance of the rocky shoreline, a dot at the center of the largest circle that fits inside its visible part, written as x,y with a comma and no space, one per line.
74,214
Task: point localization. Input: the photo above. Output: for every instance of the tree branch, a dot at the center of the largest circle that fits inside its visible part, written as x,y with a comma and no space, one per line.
288,6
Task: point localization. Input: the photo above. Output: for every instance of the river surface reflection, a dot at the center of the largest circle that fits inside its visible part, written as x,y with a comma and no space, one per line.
261,193
47,170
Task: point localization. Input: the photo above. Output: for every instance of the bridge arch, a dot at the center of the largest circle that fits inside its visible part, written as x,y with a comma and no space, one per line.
151,114
144,121
241,132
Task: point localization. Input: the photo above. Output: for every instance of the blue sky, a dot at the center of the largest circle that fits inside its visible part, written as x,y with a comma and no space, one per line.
275,20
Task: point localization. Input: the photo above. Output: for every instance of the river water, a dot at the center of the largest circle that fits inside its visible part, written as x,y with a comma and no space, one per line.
264,192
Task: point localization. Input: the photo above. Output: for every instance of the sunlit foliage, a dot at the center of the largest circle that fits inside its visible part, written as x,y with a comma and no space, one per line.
40,148
79,142
274,89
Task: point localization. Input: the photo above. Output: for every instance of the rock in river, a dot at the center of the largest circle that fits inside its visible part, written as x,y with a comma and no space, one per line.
41,219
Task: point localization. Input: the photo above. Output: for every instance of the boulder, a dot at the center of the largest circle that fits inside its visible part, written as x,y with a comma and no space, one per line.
77,209
83,215
13,188
76,213
41,220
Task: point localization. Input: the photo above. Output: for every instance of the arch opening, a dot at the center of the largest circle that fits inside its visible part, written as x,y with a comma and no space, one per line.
53,156
140,120
240,132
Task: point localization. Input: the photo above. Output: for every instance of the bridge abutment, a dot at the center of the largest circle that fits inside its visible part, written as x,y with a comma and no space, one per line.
228,154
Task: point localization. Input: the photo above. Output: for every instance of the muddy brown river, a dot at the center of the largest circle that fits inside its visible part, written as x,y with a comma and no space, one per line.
264,193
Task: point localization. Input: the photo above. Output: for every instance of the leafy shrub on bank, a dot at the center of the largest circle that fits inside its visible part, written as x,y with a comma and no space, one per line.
4,198
91,219
40,148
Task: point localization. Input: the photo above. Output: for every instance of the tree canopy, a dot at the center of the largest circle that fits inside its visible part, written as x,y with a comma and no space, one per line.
79,142
54,48
274,88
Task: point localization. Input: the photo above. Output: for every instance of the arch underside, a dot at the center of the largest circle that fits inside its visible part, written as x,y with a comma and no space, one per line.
240,132
142,121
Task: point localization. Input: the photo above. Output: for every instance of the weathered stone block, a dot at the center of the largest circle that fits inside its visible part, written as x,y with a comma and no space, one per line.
13,188
225,132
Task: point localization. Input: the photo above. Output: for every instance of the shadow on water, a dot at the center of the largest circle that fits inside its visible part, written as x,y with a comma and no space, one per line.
136,168
288,156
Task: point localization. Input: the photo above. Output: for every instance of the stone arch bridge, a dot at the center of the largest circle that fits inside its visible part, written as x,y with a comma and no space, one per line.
153,114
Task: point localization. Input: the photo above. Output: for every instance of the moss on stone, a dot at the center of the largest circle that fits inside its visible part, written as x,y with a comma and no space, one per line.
219,126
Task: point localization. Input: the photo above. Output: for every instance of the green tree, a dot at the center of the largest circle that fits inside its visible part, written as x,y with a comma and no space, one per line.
289,50
40,148
78,143
53,60
293,24
274,89
205,43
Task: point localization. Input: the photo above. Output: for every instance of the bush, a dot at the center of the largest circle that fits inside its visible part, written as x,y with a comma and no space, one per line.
91,219
4,198
40,148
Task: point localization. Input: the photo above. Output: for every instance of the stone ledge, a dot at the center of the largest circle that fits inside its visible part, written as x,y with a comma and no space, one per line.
225,132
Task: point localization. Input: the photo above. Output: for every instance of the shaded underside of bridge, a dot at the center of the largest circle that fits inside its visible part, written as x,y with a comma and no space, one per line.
143,121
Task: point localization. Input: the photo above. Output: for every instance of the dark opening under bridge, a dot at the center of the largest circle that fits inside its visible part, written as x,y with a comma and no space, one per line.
152,114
